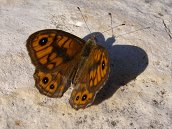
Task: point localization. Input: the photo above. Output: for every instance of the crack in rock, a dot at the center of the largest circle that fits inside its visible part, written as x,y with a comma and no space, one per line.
167,29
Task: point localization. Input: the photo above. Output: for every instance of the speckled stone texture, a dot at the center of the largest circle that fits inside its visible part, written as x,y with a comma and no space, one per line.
138,94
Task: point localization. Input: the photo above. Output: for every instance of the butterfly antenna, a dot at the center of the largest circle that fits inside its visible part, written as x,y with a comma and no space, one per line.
121,25
84,18
111,29
133,31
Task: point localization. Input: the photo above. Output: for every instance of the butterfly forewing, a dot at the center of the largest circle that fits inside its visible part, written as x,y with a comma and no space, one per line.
51,50
90,78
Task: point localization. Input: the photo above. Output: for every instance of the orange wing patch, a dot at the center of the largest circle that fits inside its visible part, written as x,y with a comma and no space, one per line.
98,74
52,56
44,52
97,55
50,66
62,41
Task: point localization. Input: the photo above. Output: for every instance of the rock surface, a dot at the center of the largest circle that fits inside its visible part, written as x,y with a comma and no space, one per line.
138,93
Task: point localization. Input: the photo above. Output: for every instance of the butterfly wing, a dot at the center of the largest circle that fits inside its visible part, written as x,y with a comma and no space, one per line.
52,50
55,54
50,84
93,76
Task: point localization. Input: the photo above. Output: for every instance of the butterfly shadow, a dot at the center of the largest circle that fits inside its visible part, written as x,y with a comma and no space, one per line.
126,63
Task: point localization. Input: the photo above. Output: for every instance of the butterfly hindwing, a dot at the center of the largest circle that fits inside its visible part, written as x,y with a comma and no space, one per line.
95,73
50,84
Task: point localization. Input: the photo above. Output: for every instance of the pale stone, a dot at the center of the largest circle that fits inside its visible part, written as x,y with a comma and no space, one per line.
139,91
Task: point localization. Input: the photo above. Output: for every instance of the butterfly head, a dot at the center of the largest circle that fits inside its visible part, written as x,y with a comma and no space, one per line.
91,40
87,47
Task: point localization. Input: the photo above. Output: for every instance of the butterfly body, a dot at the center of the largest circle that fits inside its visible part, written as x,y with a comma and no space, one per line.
61,58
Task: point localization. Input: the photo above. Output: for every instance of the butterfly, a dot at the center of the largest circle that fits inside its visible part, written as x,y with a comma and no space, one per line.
63,59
